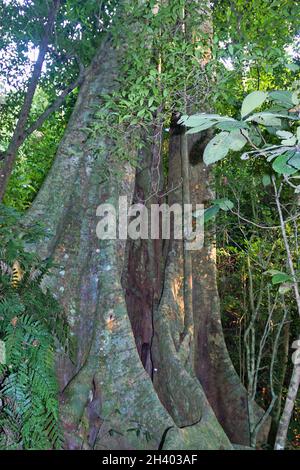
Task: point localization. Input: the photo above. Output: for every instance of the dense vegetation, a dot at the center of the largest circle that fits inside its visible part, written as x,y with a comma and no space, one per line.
242,62
31,329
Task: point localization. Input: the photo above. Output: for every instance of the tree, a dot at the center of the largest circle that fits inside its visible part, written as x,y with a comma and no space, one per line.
106,392
151,368
285,158
22,130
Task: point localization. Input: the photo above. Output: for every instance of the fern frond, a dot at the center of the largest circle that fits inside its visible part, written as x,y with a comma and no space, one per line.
31,326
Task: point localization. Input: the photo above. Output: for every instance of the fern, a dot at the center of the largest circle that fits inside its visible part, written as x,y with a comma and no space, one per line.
31,326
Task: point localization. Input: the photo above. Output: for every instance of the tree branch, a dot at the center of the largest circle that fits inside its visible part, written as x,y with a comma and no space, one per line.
295,379
16,141
55,105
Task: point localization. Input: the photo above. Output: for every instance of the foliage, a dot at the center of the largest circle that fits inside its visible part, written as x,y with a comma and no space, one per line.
250,253
37,153
268,252
254,45
31,328
278,120
161,68
79,30
160,62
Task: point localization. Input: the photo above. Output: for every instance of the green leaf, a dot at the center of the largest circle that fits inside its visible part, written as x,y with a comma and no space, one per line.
230,125
289,142
294,161
237,140
284,134
270,119
292,67
266,119
210,213
217,148
183,118
253,101
202,127
280,278
272,272
224,204
2,352
295,98
271,130
199,119
282,96
280,165
195,121
266,180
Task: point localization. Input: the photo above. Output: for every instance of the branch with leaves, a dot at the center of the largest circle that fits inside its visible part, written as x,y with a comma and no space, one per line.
280,119
22,130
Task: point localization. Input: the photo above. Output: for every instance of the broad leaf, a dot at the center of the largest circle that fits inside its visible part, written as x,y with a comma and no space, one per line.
2,352
230,125
224,204
289,142
210,213
202,127
266,119
272,154
294,161
195,121
284,134
217,148
183,118
237,140
266,180
292,67
272,272
285,287
280,278
280,165
270,119
282,96
199,119
295,97
253,101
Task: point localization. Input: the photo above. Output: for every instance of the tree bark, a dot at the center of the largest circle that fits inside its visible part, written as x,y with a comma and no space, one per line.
107,391
295,379
137,382
283,365
288,409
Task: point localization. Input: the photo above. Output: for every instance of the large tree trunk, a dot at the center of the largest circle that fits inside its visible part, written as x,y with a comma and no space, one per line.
136,365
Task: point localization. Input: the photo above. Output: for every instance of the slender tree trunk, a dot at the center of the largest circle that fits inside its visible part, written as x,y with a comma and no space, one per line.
295,379
19,134
288,409
283,359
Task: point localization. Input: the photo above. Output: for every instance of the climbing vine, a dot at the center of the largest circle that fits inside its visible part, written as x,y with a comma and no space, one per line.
164,60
